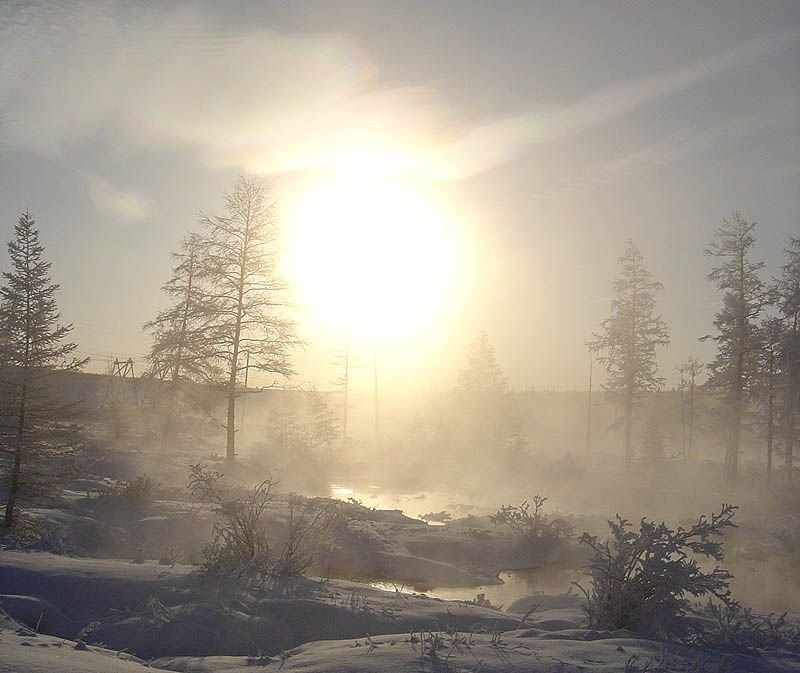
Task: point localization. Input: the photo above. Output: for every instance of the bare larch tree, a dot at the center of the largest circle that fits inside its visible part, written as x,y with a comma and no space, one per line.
245,293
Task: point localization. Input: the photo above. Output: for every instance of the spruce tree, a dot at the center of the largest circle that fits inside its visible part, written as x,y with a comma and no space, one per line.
628,338
490,422
36,433
482,373
323,428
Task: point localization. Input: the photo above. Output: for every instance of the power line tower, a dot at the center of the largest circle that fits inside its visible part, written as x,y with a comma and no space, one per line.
118,389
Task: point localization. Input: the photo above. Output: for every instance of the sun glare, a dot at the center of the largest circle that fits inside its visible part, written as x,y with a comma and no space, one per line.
369,254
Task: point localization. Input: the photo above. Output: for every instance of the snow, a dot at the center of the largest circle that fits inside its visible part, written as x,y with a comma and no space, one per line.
329,626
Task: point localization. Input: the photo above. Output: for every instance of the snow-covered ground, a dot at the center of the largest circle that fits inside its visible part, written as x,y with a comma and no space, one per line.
171,618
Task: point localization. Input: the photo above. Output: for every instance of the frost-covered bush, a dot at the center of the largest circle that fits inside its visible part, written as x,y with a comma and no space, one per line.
239,542
143,490
531,526
240,546
642,581
740,628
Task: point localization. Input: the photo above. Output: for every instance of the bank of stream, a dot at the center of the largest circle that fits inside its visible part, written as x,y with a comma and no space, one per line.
767,585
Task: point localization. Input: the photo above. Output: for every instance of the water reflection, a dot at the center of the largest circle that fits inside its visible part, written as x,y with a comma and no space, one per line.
548,579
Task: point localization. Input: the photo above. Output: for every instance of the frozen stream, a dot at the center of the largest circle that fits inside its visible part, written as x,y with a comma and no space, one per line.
551,579
763,585
769,583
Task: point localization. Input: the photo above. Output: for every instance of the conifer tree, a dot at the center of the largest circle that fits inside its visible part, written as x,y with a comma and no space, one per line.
181,349
489,417
323,429
36,434
788,302
735,368
771,336
628,338
482,373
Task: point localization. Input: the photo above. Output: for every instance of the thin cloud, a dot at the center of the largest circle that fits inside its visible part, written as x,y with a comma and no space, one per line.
500,141
663,152
112,201
266,101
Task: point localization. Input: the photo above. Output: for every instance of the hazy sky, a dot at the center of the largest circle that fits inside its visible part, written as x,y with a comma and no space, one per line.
543,134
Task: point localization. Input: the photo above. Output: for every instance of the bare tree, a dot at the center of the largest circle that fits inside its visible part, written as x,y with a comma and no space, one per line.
247,296
692,369
628,338
346,358
688,371
36,431
734,369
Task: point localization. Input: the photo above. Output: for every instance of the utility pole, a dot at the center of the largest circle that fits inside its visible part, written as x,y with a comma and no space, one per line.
346,387
244,397
684,450
692,374
377,416
589,406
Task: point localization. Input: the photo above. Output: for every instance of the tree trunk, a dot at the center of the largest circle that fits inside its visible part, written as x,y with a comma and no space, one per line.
732,458
589,408
230,457
691,417
770,414
788,441
734,444
377,415
628,426
684,450
13,488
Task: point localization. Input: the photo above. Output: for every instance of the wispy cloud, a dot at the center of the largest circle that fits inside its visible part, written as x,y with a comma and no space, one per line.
498,141
114,202
267,101
663,152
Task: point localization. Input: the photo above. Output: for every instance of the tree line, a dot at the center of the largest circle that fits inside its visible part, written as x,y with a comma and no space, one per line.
757,363
227,315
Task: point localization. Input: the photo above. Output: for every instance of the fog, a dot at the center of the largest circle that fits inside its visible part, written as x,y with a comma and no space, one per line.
433,458
414,336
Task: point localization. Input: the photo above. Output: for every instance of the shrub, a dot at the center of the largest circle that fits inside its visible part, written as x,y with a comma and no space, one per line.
27,532
141,491
531,526
240,545
239,542
640,580
736,627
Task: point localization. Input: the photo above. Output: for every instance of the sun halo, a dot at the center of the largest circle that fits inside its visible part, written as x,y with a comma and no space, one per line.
369,254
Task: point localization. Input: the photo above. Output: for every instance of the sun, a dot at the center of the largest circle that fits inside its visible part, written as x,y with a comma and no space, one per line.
369,254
